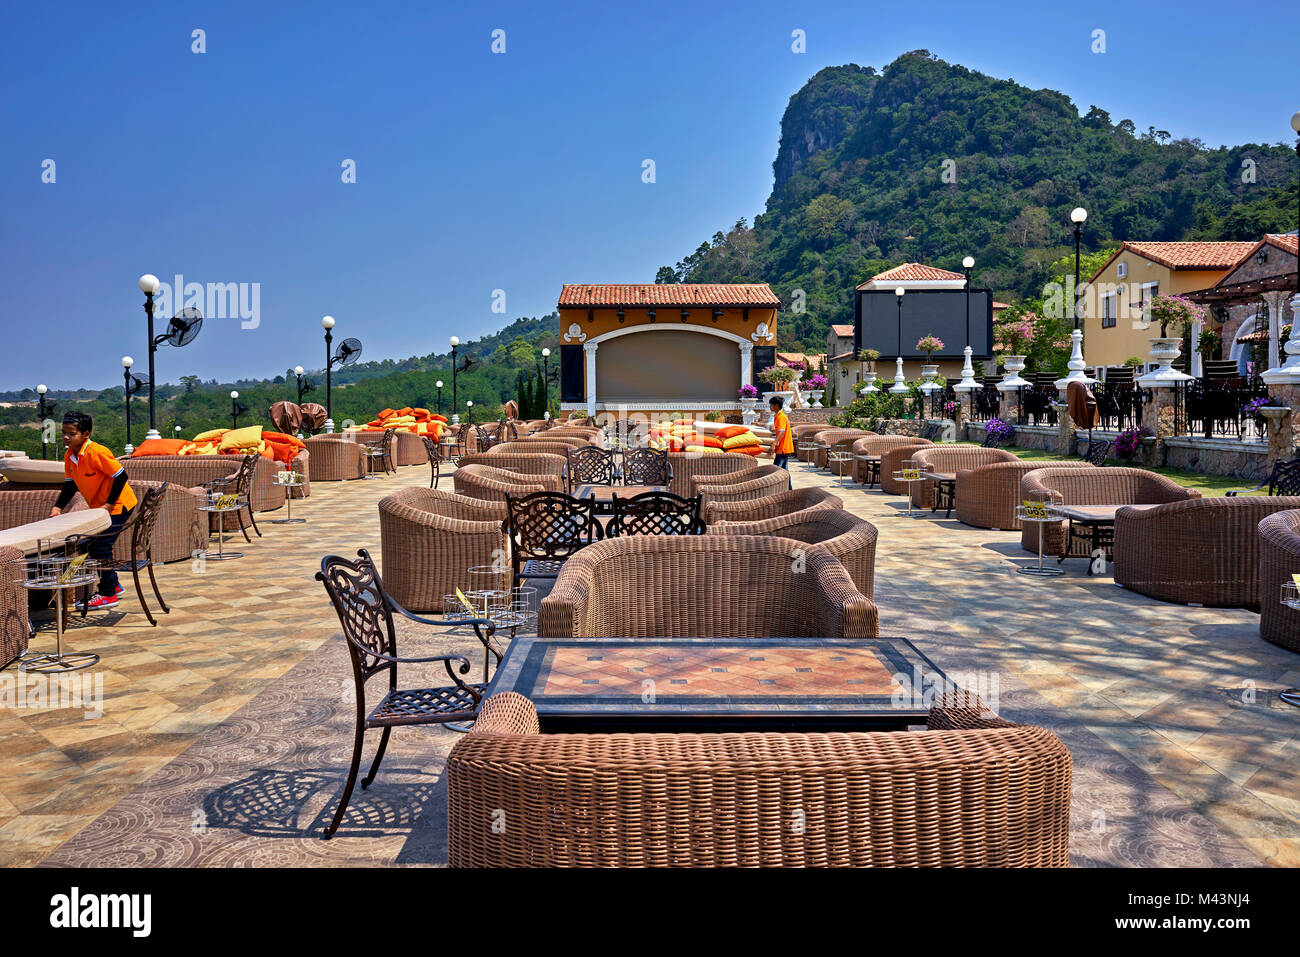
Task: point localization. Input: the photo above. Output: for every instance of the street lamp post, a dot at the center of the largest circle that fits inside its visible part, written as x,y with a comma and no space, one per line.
546,379
149,286
469,406
968,383
455,418
1076,364
297,371
43,410
327,323
234,409
439,385
127,362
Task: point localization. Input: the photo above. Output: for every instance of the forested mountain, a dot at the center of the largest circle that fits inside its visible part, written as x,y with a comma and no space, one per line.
930,162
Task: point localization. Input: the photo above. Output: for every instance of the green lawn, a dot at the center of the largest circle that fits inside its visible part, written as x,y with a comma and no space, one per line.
1207,485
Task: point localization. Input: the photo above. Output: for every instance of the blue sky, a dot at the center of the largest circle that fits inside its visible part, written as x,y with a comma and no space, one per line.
475,171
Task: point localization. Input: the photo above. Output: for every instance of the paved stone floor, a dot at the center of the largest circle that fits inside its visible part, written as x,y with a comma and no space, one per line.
226,730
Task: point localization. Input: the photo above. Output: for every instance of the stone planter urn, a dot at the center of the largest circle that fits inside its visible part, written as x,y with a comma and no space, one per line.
931,372
816,397
1013,365
870,383
1164,351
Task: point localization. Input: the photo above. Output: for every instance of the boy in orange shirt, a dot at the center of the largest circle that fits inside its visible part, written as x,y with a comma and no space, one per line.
91,469
782,440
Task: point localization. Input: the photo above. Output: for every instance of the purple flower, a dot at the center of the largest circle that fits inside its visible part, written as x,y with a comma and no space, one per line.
747,391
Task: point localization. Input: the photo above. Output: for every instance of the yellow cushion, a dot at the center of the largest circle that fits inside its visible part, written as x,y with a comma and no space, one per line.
738,441
245,438
702,448
210,434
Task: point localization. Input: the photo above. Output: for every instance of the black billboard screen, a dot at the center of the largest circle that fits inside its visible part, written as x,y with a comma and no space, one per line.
936,312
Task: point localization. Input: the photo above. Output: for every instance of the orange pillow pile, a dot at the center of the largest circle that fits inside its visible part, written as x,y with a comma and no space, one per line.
281,447
161,446
738,438
418,421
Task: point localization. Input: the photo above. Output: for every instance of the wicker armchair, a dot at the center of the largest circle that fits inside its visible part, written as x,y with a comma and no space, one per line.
429,539
875,445
485,482
193,471
766,480
179,530
536,446
895,459
950,458
698,482
871,799
1203,550
988,495
687,465
799,501
832,439
1279,559
843,535
335,458
800,434
1090,486
14,623
844,444
539,464
703,586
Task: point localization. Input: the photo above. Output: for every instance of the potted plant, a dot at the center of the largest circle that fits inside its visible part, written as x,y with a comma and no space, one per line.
1208,343
1129,441
779,377
1170,311
817,388
929,345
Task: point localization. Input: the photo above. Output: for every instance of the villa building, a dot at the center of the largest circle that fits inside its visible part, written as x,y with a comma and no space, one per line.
663,348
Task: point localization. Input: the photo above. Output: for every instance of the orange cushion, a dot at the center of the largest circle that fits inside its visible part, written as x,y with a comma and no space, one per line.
729,431
437,417
161,446
385,414
709,441
748,450
282,437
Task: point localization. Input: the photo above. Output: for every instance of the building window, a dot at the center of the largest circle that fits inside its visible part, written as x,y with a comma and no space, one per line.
1149,292
1108,311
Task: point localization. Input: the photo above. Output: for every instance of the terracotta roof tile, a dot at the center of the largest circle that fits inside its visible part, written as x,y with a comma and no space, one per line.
1193,255
668,294
842,330
1285,241
842,356
915,272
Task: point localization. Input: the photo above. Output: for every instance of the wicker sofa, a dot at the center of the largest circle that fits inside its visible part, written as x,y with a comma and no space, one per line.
703,587
529,464
950,458
1094,486
408,447
191,471
876,445
1279,559
843,535
896,458
537,446
800,501
485,482
688,465
835,440
14,622
988,495
430,538
1202,550
969,791
336,458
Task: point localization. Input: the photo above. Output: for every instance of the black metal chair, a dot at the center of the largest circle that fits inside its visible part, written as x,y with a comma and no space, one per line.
140,525
485,438
1284,480
434,451
1097,452
240,485
381,451
656,513
590,465
545,529
646,467
365,611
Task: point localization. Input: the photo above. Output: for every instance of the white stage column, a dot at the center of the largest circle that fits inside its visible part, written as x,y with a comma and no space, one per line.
746,363
1275,302
590,349
1198,325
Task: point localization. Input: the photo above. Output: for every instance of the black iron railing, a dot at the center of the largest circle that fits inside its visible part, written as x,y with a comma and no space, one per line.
1214,408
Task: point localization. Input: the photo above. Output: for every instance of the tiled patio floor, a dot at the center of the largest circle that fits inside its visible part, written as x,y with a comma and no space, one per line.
224,744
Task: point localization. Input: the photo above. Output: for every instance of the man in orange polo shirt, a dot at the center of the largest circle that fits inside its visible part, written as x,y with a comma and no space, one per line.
91,469
782,440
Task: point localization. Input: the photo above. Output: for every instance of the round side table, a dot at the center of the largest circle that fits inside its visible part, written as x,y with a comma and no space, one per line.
47,576
1042,520
220,555
288,504
836,461
910,480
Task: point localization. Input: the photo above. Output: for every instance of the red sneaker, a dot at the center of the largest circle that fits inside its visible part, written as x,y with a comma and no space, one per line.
102,601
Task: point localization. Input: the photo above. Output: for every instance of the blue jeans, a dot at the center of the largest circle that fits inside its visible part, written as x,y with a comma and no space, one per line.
101,550
783,462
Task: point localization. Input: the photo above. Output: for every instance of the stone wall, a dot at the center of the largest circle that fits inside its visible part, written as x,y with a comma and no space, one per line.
808,415
1247,460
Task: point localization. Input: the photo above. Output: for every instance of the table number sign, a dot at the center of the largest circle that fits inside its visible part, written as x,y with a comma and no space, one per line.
1035,509
911,475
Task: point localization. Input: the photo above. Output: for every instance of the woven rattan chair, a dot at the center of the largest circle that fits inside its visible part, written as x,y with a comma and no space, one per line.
434,453
1090,486
949,458
590,465
703,586
485,482
801,434
686,466
528,464
846,537
1203,551
545,530
655,513
767,480
15,627
191,471
649,467
429,539
538,446
379,454
740,477
830,440
365,611
988,495
1279,559
863,473
970,791
801,501
335,458
895,459
560,437
139,552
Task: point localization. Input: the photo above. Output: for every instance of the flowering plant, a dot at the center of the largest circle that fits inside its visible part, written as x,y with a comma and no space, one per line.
929,345
817,382
868,355
747,391
1254,405
798,365
1013,336
999,429
778,375
950,408
1129,441
1172,311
